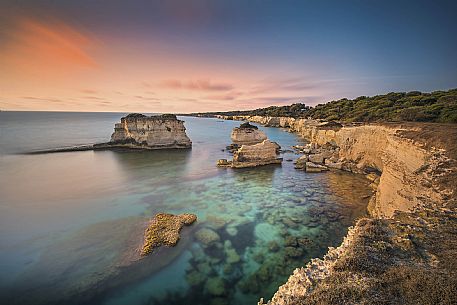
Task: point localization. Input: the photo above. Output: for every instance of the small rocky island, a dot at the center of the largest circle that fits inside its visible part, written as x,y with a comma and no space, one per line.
149,132
251,148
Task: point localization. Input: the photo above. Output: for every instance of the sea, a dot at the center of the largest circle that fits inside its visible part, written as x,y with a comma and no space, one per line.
72,223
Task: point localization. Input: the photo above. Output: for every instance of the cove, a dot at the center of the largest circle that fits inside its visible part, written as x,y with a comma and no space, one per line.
70,237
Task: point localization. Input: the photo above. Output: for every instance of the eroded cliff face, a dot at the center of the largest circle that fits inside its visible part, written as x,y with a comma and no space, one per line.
405,181
394,257
150,132
404,184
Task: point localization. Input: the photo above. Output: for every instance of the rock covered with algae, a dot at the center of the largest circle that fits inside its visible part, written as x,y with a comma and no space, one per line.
164,229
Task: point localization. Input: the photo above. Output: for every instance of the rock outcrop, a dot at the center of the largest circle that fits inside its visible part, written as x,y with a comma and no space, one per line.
263,153
247,134
149,132
256,155
403,164
250,148
164,230
393,256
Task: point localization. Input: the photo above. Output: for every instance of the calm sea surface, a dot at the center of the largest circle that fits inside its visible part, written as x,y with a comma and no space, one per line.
71,223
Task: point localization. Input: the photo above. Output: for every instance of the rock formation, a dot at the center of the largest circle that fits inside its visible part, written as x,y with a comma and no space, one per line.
250,148
164,230
255,155
247,134
149,132
392,256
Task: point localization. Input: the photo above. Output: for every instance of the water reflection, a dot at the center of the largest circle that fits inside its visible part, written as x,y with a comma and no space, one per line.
70,223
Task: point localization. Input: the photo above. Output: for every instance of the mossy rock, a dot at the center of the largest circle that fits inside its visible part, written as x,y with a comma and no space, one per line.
164,229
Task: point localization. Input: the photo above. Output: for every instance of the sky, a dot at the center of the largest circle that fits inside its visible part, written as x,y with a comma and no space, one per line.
193,56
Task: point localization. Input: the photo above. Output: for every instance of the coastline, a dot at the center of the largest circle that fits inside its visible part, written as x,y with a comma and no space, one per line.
393,249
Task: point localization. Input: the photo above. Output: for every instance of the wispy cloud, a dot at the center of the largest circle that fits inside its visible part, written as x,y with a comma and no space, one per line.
45,43
288,84
89,91
93,97
148,98
230,96
197,85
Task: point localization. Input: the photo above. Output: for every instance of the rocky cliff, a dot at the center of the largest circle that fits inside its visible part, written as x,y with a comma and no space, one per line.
404,164
150,132
404,253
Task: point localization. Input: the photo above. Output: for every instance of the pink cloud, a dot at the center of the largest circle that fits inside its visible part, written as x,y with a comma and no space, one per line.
196,85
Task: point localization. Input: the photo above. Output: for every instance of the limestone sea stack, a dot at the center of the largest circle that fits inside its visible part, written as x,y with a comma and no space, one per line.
255,150
150,132
247,134
256,155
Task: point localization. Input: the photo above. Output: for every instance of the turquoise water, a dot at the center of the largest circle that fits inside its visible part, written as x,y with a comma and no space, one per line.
71,223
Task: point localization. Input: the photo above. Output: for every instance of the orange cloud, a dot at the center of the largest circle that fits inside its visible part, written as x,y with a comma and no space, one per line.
198,85
33,44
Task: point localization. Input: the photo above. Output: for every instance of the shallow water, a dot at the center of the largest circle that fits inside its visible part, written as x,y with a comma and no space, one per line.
70,222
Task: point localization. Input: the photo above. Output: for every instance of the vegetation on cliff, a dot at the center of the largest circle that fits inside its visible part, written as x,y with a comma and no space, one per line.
294,110
414,106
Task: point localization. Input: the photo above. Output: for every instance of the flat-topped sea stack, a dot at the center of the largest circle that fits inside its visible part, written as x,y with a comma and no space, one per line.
263,153
150,132
247,134
251,148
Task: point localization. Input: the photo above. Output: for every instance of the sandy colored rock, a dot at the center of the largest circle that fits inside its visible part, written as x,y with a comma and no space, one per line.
247,134
256,155
311,167
164,229
300,163
316,158
150,132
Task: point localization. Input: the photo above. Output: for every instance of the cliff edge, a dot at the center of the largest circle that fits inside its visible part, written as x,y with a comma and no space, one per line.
405,252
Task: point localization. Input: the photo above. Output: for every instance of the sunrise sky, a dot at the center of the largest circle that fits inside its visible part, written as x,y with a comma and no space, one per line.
185,56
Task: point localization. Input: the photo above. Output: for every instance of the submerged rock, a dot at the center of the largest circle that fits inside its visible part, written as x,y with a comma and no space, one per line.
207,236
292,252
231,230
148,132
164,230
195,278
215,286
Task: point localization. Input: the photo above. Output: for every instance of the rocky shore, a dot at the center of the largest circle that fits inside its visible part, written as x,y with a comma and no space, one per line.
391,257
